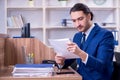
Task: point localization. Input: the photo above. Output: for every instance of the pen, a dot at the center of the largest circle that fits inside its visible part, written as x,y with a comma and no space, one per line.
59,67
31,55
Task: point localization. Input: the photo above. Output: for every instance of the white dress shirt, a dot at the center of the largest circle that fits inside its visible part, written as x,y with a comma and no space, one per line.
87,34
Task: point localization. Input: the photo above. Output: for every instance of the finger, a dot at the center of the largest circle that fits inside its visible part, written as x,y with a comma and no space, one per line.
70,44
72,50
59,60
71,47
58,56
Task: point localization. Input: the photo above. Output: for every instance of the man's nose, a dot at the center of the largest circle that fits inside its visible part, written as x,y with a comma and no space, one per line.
77,23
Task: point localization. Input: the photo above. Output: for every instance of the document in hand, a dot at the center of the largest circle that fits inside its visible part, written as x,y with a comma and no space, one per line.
32,70
60,47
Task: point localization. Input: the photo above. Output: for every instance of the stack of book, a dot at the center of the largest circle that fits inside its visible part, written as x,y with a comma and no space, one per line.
33,70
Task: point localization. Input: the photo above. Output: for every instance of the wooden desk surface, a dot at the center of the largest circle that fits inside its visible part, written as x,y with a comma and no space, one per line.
5,74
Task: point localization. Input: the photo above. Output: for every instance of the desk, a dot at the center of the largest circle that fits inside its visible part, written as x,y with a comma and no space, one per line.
5,74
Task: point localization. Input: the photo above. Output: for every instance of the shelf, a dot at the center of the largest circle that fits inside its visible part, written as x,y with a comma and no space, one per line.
91,7
46,17
24,8
20,28
109,27
24,3
58,7
60,27
103,8
34,16
73,28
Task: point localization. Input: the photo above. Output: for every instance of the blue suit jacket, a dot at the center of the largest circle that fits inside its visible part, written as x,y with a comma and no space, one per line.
100,48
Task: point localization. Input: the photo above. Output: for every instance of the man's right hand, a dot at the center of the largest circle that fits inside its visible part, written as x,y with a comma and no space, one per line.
59,60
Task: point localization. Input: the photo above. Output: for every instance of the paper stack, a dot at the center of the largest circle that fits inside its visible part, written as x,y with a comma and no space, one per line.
60,47
33,70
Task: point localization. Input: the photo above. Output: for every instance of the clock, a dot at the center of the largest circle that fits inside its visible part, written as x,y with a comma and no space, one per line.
99,2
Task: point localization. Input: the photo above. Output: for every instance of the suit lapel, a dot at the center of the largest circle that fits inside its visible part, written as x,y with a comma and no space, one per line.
90,37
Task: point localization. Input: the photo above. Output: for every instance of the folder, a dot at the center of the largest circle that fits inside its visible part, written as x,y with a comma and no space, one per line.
34,65
33,70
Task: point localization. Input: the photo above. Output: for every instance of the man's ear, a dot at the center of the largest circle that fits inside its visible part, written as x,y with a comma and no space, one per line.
89,16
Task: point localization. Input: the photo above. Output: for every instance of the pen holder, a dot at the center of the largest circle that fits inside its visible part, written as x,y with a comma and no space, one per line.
29,59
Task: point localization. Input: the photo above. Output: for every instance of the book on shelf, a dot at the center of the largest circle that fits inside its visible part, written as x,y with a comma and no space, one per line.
9,22
15,21
34,70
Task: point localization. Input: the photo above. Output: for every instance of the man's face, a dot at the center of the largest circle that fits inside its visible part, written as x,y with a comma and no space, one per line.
80,20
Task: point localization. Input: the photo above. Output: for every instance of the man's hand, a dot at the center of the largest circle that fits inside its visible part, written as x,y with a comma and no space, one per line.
59,60
73,48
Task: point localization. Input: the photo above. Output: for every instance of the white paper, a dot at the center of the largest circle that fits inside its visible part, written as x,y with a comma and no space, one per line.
60,47
32,72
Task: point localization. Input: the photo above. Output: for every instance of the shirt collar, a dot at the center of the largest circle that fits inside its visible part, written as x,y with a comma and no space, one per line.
89,30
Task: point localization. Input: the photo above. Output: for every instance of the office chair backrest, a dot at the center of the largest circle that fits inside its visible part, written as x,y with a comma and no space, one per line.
116,72
117,57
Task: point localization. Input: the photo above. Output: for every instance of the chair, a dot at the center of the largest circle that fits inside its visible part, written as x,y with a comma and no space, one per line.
117,56
116,72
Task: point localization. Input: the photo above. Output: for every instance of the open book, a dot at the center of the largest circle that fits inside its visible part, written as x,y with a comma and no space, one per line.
60,47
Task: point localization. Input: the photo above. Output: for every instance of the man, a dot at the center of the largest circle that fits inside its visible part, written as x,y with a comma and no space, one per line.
96,54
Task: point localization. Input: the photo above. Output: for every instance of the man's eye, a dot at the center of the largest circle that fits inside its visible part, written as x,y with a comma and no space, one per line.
81,18
73,20
78,19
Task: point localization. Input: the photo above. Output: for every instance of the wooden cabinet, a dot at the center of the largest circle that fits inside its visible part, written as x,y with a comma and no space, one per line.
2,52
14,52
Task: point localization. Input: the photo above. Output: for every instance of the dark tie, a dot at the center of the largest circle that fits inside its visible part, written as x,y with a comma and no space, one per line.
83,40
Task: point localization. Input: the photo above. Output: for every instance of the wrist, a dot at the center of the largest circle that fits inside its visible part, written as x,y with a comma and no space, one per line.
83,55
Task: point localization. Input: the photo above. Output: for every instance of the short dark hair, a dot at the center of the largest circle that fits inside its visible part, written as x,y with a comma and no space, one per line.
81,7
